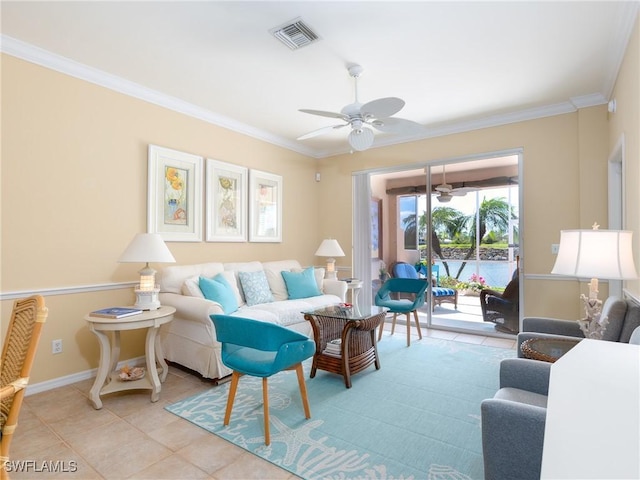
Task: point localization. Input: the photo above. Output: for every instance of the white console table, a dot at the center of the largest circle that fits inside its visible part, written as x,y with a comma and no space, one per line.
592,429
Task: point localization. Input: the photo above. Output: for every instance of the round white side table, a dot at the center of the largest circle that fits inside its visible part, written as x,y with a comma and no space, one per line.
107,379
354,286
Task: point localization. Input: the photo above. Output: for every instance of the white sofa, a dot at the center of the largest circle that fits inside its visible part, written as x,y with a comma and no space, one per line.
190,339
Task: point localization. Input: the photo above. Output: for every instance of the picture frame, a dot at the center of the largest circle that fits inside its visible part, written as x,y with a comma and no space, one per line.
376,228
174,195
226,202
265,207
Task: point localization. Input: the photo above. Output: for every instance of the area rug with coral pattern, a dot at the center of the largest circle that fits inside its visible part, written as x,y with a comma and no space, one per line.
417,417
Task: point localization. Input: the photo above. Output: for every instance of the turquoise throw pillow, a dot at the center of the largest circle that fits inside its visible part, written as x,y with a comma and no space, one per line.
255,287
301,284
219,290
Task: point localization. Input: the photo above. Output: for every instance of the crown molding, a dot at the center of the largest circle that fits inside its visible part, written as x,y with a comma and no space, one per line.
44,58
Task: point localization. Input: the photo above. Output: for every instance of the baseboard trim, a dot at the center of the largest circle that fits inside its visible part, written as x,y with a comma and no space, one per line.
76,377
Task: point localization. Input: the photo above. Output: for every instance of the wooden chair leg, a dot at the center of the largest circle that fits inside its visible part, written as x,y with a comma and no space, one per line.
235,376
265,401
393,325
303,391
381,330
415,317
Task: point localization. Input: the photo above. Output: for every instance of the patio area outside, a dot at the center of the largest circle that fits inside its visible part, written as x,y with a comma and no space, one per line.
467,317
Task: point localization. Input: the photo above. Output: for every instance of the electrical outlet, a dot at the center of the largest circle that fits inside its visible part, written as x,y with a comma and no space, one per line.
554,248
56,346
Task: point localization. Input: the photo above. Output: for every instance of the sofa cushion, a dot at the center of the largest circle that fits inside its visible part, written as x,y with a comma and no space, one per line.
236,267
522,396
172,278
255,287
288,312
301,284
319,274
191,287
218,290
274,270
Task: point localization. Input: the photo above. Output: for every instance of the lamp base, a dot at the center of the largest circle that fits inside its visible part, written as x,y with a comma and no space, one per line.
593,326
330,275
147,299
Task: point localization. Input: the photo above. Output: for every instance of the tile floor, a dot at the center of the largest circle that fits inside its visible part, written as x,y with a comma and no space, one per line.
131,438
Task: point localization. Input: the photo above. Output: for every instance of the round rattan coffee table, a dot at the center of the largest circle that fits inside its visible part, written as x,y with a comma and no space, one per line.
547,349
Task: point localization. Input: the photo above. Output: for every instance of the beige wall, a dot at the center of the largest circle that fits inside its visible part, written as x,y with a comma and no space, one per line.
626,122
551,184
74,186
74,176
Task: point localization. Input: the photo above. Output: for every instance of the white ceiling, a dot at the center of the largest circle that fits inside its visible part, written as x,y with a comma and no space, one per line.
458,65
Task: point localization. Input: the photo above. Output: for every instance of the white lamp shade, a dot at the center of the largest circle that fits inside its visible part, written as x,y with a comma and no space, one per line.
329,248
145,248
606,254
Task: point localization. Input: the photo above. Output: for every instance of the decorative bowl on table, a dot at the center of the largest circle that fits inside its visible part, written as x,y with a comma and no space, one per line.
345,308
129,374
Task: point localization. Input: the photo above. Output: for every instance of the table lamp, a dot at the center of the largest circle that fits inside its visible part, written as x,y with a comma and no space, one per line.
145,248
330,248
594,254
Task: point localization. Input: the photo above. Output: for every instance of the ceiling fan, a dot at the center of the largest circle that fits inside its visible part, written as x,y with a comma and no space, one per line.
446,192
376,113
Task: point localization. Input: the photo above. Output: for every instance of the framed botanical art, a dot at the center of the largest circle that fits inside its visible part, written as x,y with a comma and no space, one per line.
265,207
227,203
174,208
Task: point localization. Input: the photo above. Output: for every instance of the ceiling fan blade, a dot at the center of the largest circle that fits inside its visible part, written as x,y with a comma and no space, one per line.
398,125
320,131
444,188
382,107
322,113
463,190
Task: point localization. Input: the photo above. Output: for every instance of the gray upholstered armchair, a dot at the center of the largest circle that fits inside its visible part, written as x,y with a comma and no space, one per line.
623,316
513,421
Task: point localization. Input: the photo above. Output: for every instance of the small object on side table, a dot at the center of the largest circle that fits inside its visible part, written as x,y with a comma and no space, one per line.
547,349
108,380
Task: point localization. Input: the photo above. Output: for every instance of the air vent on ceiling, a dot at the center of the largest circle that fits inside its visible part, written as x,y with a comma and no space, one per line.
295,34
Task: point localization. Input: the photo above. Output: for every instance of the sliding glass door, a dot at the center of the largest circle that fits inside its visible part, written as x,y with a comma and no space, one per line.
458,221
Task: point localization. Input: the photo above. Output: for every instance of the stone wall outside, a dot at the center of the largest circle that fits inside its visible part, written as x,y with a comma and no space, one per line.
486,253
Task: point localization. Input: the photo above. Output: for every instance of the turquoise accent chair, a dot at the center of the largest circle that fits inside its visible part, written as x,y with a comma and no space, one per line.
390,295
261,349
439,295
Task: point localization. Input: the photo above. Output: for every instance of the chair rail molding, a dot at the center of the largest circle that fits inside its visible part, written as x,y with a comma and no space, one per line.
12,295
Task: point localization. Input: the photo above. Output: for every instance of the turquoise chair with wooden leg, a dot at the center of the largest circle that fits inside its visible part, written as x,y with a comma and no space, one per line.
261,349
390,296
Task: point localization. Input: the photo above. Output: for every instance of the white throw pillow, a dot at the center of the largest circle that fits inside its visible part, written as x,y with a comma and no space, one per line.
255,287
191,287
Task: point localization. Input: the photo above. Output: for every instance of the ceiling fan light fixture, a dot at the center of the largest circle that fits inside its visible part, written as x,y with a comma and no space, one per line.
361,139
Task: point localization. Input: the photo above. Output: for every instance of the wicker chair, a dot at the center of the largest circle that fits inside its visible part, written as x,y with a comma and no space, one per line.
503,309
18,352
